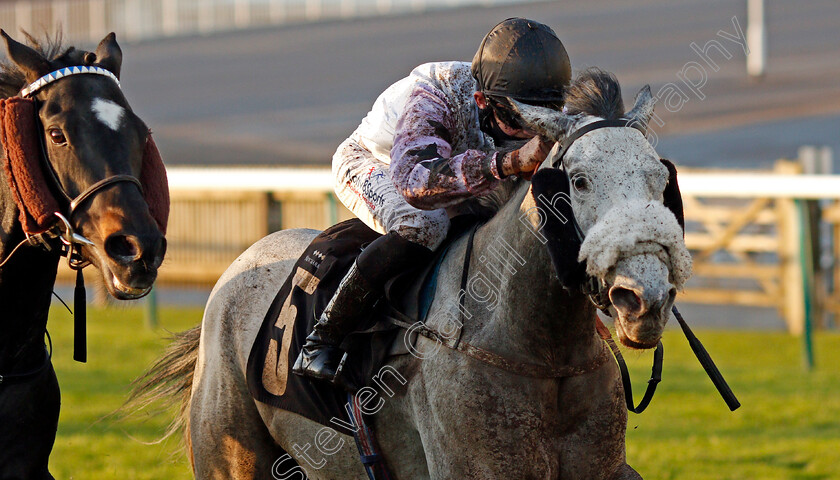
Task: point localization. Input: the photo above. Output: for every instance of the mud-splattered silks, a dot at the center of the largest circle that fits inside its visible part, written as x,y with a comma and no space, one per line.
418,151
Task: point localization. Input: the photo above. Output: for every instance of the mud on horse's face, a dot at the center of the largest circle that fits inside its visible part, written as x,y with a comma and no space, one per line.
90,134
632,242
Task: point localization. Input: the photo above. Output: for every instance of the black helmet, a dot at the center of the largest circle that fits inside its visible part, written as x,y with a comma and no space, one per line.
522,59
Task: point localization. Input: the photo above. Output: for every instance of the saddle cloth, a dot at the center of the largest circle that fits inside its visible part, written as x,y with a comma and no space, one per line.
298,305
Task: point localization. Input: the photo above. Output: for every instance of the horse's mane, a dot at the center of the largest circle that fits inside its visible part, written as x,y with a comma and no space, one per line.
593,92
12,79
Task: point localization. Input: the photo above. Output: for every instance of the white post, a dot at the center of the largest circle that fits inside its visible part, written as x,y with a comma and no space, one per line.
756,38
61,17
277,12
169,17
206,15
384,6
347,8
132,23
826,160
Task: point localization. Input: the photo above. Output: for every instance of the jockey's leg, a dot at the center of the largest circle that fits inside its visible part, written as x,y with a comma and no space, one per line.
358,291
364,186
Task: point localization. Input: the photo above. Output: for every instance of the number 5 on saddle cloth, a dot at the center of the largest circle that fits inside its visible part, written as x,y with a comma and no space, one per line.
297,307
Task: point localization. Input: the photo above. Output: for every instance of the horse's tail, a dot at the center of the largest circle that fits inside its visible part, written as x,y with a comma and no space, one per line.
169,382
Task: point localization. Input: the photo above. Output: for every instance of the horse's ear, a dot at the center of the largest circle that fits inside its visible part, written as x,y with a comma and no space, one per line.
671,196
109,54
550,188
643,108
33,65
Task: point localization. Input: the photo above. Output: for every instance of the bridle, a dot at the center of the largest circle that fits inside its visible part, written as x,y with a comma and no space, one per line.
71,240
595,288
61,237
598,292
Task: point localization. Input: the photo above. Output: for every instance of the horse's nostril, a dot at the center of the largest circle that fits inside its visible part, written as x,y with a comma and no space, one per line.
122,248
627,301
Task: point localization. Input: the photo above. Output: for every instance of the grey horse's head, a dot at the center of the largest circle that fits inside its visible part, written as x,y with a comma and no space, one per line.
632,243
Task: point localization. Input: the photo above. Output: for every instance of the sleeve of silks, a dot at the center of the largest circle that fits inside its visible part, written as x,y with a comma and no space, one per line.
422,165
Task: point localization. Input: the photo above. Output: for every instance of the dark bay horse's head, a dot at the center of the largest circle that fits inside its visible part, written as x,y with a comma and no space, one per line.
624,200
89,134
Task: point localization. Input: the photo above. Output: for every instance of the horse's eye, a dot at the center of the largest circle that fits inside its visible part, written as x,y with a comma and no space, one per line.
580,183
57,136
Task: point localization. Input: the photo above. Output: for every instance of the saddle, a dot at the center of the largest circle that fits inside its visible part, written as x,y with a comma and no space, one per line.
299,303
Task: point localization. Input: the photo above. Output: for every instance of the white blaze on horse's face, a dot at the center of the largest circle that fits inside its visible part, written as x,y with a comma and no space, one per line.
108,113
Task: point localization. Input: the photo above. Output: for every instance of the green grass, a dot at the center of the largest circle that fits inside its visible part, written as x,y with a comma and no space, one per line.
787,428
90,446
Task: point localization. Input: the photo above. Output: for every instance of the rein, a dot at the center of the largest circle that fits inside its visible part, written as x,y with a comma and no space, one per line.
655,374
8,379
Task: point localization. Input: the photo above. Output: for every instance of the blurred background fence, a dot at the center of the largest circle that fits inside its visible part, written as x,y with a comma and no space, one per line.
90,20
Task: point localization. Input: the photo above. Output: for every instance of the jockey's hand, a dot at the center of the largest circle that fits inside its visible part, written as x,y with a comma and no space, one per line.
525,160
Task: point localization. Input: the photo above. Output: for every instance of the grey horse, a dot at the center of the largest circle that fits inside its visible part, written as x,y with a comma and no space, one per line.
549,407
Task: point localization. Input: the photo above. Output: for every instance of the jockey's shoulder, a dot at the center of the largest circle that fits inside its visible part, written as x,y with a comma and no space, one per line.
444,73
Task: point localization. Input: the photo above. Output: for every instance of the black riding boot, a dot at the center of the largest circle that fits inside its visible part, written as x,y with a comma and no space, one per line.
357,293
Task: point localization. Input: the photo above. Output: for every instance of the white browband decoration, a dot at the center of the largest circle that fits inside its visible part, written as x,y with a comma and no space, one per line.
65,72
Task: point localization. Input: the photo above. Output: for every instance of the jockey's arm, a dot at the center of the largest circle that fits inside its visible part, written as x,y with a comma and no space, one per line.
422,165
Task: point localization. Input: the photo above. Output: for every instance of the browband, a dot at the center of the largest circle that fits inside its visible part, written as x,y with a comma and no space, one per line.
568,141
65,72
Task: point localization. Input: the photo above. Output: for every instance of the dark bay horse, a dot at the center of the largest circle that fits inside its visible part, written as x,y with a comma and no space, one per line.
81,178
529,392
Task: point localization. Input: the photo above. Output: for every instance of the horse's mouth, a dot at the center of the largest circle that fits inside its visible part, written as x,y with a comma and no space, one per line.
125,292
637,343
118,278
119,289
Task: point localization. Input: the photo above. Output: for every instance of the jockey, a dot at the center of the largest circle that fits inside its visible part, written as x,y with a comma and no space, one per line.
430,141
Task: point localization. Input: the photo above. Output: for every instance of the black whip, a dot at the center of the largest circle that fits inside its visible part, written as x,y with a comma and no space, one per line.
708,364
